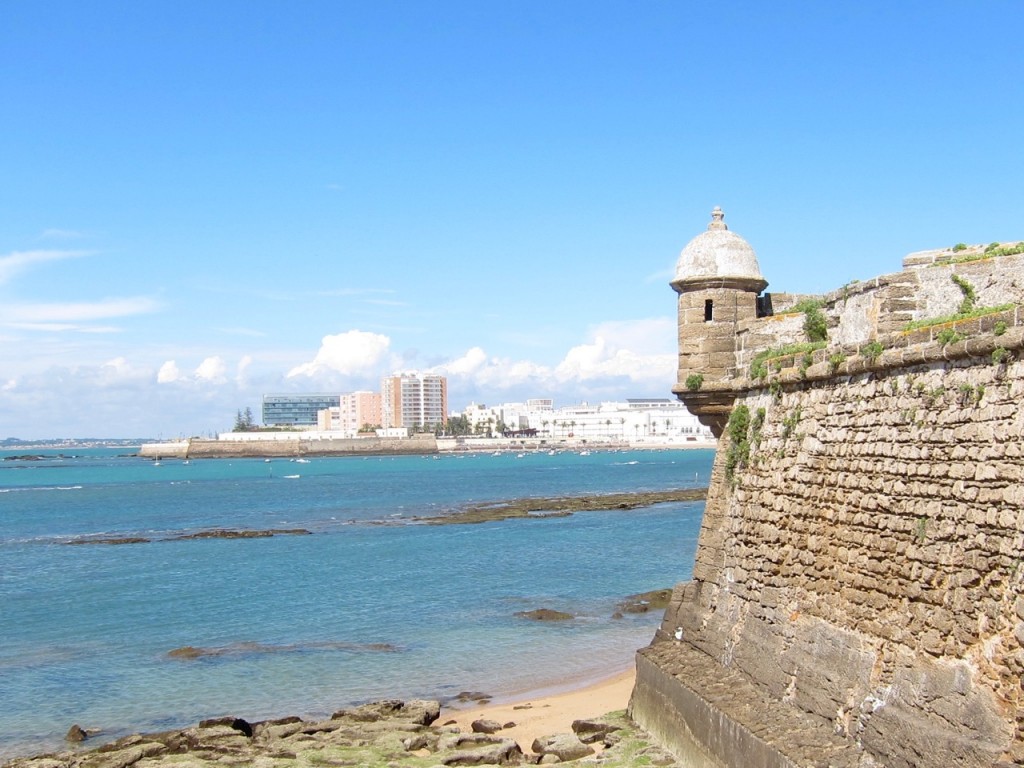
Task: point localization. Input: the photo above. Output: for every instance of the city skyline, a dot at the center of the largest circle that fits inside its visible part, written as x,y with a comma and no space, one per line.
205,202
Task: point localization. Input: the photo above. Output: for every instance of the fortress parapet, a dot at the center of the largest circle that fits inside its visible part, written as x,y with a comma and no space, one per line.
858,589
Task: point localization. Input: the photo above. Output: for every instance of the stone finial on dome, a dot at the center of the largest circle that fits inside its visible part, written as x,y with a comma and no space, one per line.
718,219
718,258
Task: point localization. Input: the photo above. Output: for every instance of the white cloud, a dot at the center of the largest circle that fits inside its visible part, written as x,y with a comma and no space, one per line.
640,351
351,353
81,311
168,373
118,372
58,327
19,261
619,359
193,392
212,369
242,370
61,234
474,360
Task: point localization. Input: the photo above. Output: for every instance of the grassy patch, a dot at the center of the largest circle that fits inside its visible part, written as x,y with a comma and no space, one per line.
758,366
992,251
955,318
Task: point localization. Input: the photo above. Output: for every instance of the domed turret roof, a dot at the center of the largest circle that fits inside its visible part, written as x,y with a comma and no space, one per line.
718,257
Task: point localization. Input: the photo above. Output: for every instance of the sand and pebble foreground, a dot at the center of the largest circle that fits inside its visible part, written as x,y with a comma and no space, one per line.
584,726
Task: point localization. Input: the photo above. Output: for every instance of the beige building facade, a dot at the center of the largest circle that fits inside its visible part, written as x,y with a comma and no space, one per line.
414,400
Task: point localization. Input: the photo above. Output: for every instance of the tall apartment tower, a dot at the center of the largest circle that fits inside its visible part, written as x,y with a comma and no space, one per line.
414,400
718,282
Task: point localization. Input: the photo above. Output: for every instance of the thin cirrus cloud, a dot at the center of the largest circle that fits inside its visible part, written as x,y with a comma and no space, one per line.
48,316
17,262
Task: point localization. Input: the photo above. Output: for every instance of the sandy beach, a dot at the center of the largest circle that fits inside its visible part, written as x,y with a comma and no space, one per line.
548,714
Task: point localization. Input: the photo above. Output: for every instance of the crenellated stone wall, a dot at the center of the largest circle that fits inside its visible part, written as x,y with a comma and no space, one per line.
857,591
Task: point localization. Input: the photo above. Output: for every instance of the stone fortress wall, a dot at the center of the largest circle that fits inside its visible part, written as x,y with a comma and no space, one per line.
857,593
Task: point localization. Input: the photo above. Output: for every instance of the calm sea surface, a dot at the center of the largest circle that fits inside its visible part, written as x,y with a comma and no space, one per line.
371,605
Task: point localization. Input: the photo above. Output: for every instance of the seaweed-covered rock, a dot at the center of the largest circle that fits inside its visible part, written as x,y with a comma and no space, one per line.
545,614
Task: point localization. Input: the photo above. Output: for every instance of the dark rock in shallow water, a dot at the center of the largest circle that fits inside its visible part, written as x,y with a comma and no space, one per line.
545,614
111,540
476,696
76,734
223,533
656,599
560,506
246,649
188,652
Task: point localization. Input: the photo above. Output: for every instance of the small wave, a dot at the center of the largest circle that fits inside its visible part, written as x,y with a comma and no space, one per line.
44,488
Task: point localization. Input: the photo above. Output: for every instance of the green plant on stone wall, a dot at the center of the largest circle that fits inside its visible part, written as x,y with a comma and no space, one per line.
776,389
756,425
1000,355
948,336
739,441
835,361
931,396
971,394
970,297
789,423
959,247
694,382
999,328
872,350
815,324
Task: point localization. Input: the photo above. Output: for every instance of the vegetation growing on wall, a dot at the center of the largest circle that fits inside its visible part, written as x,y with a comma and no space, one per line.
759,367
737,428
872,350
815,325
694,382
992,251
974,313
967,304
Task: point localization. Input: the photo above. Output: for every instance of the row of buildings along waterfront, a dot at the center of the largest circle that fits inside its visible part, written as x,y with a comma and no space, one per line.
412,402
406,401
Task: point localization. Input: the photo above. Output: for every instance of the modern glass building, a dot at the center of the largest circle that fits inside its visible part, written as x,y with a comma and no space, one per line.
292,409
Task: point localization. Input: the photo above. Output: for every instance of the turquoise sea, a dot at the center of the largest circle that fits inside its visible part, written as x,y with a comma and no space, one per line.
371,605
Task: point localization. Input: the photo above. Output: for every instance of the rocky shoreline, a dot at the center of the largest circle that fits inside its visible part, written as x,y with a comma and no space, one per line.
390,733
539,508
561,506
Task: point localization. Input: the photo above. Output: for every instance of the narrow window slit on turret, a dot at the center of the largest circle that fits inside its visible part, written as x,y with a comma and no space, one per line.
708,310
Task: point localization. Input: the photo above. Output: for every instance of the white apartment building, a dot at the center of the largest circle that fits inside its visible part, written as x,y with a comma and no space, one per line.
414,400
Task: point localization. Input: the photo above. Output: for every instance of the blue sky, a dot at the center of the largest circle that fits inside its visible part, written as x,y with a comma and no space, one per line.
205,201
